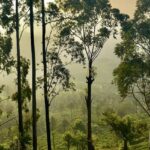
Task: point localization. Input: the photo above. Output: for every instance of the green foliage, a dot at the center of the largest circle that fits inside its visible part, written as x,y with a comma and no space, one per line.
2,148
76,137
53,10
79,126
68,139
7,15
26,90
58,75
143,9
87,26
84,31
129,72
126,128
6,27
132,74
2,88
80,28
35,2
26,97
6,60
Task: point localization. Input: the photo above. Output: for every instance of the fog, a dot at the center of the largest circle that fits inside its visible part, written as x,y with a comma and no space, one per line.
104,64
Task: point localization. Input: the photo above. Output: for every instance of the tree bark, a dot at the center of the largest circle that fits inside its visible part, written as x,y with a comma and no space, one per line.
89,104
34,116
125,145
68,146
53,141
47,119
149,139
20,116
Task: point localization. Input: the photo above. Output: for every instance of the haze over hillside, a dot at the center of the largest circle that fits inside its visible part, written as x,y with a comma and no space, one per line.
105,63
41,99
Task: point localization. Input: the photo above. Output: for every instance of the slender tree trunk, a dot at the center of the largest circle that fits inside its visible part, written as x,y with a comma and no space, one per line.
149,139
34,116
89,104
20,116
47,119
68,146
125,145
53,134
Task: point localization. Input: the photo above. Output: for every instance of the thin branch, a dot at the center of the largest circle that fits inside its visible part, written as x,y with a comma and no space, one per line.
50,81
76,35
51,100
58,20
4,99
53,89
85,44
96,54
93,42
24,14
140,103
49,37
23,28
7,121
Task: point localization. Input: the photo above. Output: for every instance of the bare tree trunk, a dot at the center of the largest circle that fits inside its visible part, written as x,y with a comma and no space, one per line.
47,119
68,146
53,134
20,116
89,105
34,116
149,140
125,145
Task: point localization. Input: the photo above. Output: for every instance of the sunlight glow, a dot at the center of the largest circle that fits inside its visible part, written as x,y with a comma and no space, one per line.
49,1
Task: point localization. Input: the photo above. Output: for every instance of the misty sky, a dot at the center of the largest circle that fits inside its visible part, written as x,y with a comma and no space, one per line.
104,62
126,6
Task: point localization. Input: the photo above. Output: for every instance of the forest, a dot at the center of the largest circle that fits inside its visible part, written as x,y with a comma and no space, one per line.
74,75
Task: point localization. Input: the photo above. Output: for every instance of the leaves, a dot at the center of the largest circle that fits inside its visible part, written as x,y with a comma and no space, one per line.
87,27
7,15
143,9
25,90
6,60
58,75
132,75
126,128
76,136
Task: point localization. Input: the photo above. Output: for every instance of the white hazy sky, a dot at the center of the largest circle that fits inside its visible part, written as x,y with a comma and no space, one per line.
49,1
107,57
126,6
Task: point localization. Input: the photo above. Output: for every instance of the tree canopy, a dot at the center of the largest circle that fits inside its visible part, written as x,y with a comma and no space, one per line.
132,75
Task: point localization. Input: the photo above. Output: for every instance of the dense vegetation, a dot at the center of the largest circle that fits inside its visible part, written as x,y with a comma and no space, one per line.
64,97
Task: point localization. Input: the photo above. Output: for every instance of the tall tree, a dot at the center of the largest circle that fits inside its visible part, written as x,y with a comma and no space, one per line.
10,21
26,97
126,128
45,78
87,26
34,115
21,131
132,76
56,76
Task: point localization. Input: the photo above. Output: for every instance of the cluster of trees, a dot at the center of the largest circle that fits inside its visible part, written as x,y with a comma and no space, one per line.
78,31
127,128
132,74
76,136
